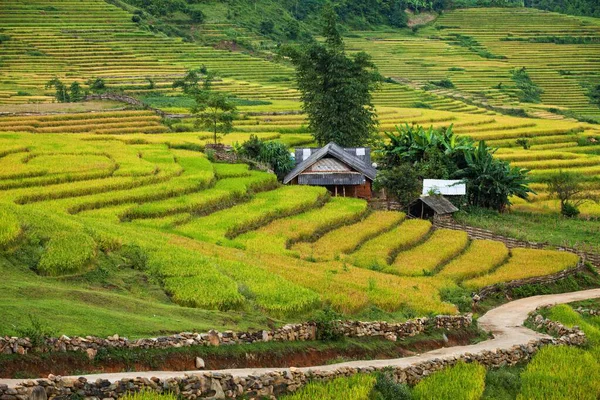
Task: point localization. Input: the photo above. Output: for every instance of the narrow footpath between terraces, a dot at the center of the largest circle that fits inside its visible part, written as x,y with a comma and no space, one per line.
504,322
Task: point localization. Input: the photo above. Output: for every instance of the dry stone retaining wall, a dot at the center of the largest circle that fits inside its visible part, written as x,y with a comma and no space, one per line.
214,385
292,332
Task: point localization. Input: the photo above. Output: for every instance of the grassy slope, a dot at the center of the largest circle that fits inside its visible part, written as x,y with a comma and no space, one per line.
541,228
106,301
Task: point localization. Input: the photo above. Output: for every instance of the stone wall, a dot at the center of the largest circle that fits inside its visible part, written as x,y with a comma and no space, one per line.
222,153
215,385
291,332
591,255
587,311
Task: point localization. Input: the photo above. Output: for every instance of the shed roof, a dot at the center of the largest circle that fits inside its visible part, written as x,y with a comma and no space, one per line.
439,204
334,151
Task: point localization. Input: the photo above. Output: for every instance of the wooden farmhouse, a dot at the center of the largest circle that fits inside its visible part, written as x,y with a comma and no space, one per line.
343,171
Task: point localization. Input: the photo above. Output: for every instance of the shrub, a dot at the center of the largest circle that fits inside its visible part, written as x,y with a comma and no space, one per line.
400,182
36,332
443,83
327,321
387,389
569,210
529,92
461,381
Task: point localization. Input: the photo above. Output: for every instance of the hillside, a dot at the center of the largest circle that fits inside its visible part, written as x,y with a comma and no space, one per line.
88,216
125,184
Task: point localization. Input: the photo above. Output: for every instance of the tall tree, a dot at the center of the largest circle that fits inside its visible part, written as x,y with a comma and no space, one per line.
213,111
336,88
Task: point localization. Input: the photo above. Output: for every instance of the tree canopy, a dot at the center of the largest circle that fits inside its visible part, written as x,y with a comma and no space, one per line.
336,88
213,111
440,154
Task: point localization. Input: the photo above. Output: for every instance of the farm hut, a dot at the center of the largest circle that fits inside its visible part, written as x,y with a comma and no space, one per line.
343,171
431,207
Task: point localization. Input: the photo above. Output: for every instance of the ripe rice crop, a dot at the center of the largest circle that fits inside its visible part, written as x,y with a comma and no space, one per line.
479,258
262,209
207,291
377,252
561,372
526,263
10,228
356,387
271,293
278,235
443,245
66,252
566,315
194,281
225,193
231,170
461,381
346,239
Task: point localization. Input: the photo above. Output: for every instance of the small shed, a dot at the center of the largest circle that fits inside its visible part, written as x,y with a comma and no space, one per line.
428,207
343,171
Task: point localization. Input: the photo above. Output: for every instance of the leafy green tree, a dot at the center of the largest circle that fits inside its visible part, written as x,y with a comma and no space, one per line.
594,94
267,27
197,16
400,182
213,111
491,182
61,92
274,154
566,186
416,145
336,88
75,92
439,153
96,85
529,92
190,84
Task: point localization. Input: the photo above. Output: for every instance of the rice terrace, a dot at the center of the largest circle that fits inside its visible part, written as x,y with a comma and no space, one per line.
308,199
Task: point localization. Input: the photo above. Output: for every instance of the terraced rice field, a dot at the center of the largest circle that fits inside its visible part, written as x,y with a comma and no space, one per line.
477,48
221,237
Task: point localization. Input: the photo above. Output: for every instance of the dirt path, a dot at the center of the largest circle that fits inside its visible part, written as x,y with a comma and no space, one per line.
505,322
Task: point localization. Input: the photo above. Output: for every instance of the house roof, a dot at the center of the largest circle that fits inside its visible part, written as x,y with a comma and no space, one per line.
444,187
332,150
439,204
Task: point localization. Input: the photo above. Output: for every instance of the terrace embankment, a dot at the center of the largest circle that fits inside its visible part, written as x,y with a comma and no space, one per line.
273,355
512,343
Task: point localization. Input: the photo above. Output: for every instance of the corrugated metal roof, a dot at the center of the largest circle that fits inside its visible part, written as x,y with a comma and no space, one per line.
336,178
363,153
333,151
444,187
328,165
439,204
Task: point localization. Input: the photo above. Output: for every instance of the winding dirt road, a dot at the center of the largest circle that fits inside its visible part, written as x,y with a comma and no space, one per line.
504,322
